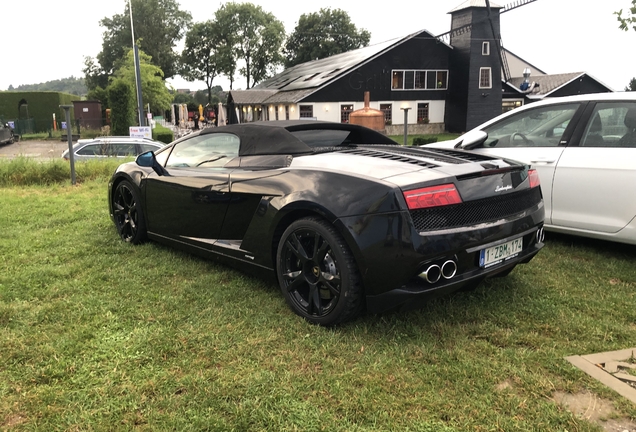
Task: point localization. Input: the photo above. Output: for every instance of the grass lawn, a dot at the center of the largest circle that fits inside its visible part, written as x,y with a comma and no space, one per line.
96,334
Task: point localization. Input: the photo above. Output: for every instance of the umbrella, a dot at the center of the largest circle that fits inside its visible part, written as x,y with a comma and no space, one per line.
222,115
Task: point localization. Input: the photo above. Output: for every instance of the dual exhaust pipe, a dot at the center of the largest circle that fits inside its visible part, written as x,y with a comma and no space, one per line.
435,272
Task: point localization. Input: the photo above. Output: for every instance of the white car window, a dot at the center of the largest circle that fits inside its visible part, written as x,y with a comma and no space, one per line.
612,125
209,150
539,127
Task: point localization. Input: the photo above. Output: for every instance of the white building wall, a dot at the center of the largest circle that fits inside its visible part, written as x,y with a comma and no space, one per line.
330,111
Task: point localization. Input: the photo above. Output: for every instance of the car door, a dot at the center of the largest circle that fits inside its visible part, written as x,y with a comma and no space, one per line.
594,186
536,136
190,202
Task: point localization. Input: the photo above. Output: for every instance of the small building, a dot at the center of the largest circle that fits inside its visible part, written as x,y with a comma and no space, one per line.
88,114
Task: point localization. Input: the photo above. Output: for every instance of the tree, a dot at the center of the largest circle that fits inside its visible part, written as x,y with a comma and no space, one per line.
159,25
153,88
252,36
632,85
323,34
204,56
629,20
122,113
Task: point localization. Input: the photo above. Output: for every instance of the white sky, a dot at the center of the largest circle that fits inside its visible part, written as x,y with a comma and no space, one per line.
50,39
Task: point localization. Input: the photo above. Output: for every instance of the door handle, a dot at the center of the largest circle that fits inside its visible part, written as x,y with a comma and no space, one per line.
542,161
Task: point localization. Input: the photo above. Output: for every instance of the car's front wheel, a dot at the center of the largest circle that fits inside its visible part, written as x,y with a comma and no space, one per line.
317,273
129,218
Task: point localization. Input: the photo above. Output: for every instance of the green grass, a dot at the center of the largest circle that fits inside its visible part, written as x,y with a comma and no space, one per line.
409,138
96,334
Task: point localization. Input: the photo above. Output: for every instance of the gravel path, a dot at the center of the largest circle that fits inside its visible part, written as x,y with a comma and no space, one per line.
34,149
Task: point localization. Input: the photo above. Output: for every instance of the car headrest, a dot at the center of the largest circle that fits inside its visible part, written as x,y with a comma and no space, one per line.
630,118
597,124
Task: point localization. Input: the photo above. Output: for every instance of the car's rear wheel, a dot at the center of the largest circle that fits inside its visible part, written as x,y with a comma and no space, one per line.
129,218
317,273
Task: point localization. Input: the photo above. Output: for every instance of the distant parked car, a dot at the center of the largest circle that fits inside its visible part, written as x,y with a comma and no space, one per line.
112,147
584,149
6,134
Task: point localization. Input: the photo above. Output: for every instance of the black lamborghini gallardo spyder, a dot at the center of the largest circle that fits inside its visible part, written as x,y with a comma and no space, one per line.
344,217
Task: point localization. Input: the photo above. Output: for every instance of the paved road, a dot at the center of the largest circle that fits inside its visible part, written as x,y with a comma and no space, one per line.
33,149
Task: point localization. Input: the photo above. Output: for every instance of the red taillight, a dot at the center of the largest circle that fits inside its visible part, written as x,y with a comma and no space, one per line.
434,196
533,175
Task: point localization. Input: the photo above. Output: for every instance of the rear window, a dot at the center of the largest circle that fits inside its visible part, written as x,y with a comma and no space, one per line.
323,137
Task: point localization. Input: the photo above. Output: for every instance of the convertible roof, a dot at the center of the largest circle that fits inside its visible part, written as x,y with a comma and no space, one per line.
275,137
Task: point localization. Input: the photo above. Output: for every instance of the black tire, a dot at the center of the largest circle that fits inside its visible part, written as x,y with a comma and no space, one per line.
317,273
128,215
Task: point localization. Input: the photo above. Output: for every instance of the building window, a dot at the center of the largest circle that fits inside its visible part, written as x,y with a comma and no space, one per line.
306,111
485,48
387,110
286,112
485,78
419,80
422,113
345,112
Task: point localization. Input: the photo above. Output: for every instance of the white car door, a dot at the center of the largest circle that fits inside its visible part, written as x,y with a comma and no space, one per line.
536,137
594,187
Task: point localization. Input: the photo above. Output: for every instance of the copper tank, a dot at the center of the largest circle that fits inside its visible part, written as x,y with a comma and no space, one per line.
369,117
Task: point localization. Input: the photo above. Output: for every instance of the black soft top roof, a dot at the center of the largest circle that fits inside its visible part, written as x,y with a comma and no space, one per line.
276,137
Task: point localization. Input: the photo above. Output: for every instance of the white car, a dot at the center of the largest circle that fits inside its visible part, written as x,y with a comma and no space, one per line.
103,147
584,149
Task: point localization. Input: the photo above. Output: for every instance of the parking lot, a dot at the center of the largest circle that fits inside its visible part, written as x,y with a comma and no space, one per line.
34,149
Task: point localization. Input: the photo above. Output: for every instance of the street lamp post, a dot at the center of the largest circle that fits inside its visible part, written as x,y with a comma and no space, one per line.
140,102
406,123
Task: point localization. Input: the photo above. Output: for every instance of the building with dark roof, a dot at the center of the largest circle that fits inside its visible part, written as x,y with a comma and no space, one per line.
454,85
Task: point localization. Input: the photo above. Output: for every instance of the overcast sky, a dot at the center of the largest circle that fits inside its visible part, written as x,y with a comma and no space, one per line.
49,40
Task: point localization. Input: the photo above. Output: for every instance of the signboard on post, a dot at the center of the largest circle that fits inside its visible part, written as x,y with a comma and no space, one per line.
140,132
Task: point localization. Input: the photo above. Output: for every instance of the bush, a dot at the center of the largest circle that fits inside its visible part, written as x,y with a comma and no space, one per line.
120,95
417,141
162,134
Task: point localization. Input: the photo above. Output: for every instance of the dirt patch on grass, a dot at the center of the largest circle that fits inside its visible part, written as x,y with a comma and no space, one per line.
596,410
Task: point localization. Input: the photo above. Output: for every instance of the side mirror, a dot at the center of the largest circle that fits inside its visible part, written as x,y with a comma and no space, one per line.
473,139
148,160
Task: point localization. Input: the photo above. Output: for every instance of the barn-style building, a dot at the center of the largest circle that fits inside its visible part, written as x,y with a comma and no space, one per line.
452,82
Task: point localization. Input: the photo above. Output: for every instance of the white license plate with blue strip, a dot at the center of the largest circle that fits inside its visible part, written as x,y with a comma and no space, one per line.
500,253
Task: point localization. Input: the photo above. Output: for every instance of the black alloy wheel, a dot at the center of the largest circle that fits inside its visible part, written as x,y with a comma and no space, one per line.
129,218
317,273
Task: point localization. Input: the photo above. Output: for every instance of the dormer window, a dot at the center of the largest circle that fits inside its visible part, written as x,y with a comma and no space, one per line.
485,48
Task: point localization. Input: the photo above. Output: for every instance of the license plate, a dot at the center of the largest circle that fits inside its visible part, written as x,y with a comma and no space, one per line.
497,254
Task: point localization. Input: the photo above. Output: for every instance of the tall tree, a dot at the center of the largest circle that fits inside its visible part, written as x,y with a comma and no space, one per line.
323,34
153,87
204,56
632,85
629,19
253,37
159,25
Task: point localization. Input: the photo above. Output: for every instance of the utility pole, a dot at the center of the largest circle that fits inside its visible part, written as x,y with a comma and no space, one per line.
140,102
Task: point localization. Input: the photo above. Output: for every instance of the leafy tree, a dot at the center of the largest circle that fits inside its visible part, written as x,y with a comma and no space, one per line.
122,114
201,96
252,36
629,20
158,25
183,98
204,56
632,85
153,88
323,34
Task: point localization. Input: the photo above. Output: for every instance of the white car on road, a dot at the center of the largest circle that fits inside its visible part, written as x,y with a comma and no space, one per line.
584,149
